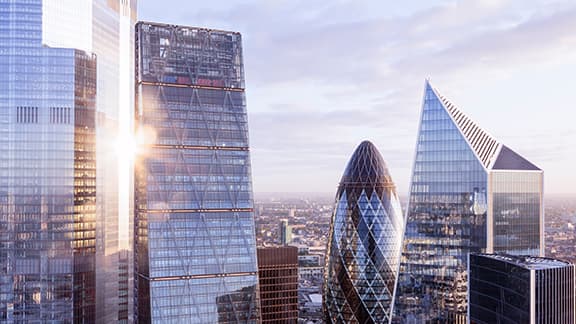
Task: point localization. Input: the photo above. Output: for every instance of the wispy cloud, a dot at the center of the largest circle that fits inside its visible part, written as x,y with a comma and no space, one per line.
323,75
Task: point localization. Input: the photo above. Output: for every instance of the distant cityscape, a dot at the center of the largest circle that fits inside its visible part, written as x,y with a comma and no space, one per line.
309,216
560,235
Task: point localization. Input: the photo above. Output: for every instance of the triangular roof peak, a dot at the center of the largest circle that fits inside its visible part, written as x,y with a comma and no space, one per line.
481,142
510,160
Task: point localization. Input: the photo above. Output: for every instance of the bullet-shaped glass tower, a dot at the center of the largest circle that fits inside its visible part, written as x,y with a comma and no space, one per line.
364,244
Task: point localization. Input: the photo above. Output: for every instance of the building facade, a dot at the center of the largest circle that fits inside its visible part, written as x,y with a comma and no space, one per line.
364,243
285,232
520,289
278,273
54,58
469,193
195,246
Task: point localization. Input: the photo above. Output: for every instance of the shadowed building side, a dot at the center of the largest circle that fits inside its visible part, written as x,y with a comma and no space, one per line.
520,289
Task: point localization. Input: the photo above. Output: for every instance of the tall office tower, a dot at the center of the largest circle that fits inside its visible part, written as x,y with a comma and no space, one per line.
285,232
469,193
194,225
60,80
364,243
278,273
520,289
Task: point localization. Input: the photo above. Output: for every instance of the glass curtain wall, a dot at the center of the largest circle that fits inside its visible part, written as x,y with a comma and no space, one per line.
66,75
365,242
469,193
446,219
194,226
47,173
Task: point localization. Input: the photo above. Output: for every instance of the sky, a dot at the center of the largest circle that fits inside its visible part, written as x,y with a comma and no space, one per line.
321,76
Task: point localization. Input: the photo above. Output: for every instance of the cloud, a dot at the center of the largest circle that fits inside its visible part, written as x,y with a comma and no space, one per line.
323,75
320,40
529,42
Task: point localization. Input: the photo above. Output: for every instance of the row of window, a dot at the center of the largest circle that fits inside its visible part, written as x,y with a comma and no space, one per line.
29,115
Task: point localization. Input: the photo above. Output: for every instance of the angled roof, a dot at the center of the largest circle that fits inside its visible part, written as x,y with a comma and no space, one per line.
482,143
510,160
489,151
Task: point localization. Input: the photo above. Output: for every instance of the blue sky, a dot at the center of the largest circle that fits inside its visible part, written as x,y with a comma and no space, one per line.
322,76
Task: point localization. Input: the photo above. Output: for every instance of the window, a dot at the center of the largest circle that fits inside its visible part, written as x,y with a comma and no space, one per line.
26,115
60,115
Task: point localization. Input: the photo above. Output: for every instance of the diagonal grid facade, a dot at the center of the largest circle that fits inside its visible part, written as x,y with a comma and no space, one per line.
364,243
195,240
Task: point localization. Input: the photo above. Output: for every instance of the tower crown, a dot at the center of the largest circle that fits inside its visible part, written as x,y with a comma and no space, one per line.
366,168
490,152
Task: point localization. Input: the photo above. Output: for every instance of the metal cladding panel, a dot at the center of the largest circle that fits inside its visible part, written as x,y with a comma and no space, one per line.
480,142
365,241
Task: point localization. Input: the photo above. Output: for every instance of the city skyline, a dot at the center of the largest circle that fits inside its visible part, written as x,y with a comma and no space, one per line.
358,69
132,151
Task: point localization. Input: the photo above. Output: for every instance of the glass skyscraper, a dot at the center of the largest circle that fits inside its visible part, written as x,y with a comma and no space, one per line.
520,289
60,86
195,245
364,243
469,193
285,232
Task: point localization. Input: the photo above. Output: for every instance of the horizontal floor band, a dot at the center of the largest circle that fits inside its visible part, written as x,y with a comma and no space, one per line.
194,147
202,276
177,85
175,211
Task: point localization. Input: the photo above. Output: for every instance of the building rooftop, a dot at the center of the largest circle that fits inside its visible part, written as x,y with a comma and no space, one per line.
510,160
159,24
528,262
490,152
366,168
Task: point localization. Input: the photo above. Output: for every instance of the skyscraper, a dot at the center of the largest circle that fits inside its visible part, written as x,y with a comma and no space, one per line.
469,193
278,274
364,243
285,232
520,289
61,100
195,245
112,27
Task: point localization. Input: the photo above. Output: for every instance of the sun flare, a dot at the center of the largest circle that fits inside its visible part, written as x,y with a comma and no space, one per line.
129,146
126,147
